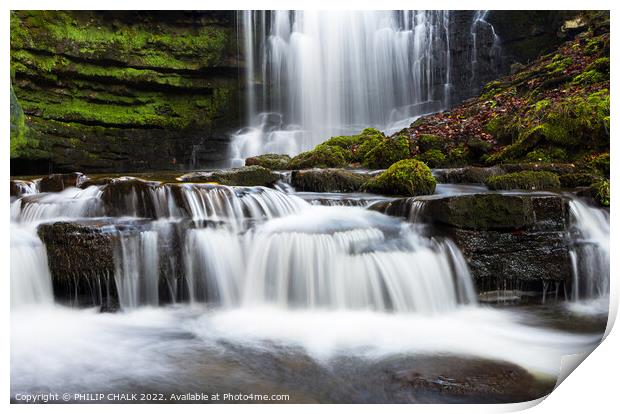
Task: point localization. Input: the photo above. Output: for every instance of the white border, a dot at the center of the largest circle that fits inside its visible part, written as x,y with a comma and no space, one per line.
591,388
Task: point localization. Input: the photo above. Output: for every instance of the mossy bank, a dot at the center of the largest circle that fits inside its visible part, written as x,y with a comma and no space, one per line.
104,91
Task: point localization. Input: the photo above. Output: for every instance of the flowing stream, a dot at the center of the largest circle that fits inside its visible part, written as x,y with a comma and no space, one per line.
271,277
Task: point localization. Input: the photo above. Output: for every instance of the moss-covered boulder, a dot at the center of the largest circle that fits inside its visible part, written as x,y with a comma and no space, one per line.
525,180
248,176
388,151
270,161
328,180
406,177
434,158
323,156
357,146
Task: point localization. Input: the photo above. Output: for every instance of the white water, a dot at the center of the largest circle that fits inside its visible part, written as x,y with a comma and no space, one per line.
326,281
590,254
315,74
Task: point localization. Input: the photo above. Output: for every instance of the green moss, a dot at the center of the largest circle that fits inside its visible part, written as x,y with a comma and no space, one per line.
270,161
504,128
546,155
600,164
525,180
87,35
406,177
428,142
458,156
600,190
20,143
387,152
433,158
357,146
478,148
323,156
577,180
558,64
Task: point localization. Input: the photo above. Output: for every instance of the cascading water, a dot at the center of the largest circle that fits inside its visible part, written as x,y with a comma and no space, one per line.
590,253
312,75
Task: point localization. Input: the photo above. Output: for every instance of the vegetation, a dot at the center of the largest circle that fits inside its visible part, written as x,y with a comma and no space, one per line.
524,180
406,177
323,156
270,161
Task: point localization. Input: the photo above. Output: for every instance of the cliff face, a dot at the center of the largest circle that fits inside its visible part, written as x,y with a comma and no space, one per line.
106,91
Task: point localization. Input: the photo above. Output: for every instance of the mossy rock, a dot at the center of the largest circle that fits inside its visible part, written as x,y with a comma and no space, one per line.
546,155
492,211
270,161
248,176
388,151
525,180
600,192
478,148
577,180
600,163
434,158
427,142
328,180
357,146
406,177
323,156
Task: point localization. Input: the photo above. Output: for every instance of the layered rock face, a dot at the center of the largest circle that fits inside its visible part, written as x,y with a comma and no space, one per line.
106,91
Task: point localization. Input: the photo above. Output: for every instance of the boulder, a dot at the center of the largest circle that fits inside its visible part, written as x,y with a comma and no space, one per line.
492,211
270,161
328,180
128,196
406,177
323,156
249,176
58,182
466,175
81,262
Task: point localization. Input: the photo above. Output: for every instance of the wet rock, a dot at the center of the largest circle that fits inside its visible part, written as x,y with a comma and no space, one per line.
270,161
553,167
58,182
500,259
249,176
328,180
466,175
19,187
129,196
81,262
467,380
498,211
406,177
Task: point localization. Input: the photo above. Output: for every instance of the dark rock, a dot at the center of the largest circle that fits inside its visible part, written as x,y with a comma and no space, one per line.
553,167
253,175
466,175
270,161
58,182
19,187
129,196
81,262
328,180
504,259
497,211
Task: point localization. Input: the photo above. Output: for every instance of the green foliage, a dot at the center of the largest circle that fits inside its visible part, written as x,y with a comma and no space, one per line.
323,156
433,158
428,142
406,177
546,155
558,64
600,190
524,180
387,152
600,164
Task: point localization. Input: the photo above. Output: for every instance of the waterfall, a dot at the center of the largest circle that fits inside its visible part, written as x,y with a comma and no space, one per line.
31,283
314,74
590,252
137,269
